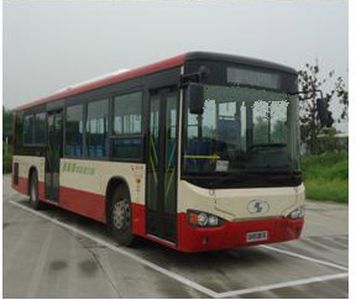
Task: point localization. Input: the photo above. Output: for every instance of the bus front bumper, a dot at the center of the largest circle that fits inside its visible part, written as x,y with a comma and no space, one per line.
234,234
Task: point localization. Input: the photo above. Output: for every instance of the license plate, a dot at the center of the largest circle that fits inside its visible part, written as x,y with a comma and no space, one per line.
256,236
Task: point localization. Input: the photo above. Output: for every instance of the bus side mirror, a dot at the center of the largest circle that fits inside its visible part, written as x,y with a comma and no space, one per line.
323,113
195,93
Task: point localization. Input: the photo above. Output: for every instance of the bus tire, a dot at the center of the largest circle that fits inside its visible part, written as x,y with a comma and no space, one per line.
33,191
120,216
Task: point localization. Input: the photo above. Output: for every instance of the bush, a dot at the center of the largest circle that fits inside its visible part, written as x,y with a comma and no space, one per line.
332,190
326,176
7,163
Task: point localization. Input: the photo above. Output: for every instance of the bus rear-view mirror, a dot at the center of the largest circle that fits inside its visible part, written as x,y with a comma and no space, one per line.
195,94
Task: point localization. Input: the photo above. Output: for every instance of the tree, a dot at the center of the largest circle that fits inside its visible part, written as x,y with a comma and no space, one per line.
309,82
260,131
277,135
7,122
7,131
279,132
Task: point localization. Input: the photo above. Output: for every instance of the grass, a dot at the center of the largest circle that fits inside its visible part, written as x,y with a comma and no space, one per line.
326,176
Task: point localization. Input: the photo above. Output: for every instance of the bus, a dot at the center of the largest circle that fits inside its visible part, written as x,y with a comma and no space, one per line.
197,152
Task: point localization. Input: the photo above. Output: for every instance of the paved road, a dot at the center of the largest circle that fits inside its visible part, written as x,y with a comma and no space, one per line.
54,253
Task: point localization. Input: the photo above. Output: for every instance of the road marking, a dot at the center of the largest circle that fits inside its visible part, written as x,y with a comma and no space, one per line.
282,285
318,261
332,240
187,281
143,261
326,243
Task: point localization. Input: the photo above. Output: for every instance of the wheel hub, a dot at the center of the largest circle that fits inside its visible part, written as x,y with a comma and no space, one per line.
121,214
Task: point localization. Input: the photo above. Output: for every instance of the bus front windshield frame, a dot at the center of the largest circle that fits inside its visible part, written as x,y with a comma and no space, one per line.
242,130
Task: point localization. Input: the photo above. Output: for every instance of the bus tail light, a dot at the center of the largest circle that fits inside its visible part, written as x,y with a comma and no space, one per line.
202,219
297,213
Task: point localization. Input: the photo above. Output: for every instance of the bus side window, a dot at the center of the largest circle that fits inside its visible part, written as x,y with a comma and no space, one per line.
74,131
128,114
97,128
127,142
28,137
40,128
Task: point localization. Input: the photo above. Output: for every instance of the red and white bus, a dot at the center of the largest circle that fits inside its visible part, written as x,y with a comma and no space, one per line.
197,152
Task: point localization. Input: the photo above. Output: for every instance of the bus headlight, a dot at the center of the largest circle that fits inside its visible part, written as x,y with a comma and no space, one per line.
213,220
202,219
297,213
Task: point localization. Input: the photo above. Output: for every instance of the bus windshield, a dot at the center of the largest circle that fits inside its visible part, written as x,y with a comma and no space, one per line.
242,129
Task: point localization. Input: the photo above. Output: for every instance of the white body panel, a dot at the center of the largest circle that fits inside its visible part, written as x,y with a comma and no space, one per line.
93,176
26,162
232,204
90,175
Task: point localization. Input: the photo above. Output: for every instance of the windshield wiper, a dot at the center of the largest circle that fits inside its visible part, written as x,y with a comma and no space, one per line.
274,145
285,169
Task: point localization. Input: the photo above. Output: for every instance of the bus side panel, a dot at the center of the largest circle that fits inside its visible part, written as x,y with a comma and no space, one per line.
85,203
24,164
83,185
138,219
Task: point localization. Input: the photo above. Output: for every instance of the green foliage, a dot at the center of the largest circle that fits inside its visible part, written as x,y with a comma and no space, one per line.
331,190
278,131
326,176
7,122
260,131
7,131
7,163
310,82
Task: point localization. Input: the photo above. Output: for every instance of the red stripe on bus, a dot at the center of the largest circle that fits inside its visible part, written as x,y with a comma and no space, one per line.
190,239
151,68
41,190
87,204
230,235
233,234
138,219
21,186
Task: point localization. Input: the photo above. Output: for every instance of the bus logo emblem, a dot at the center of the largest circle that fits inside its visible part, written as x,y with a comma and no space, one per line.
257,206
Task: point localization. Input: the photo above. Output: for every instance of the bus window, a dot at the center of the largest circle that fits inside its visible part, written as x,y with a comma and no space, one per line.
97,128
28,129
40,128
129,148
74,131
270,119
128,114
127,126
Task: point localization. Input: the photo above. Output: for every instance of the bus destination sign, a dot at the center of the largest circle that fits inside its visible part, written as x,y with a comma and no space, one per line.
253,77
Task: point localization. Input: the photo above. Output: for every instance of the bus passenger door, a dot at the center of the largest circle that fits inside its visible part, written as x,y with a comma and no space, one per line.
161,195
53,154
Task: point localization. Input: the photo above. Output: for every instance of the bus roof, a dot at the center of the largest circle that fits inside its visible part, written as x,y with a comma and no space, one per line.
178,60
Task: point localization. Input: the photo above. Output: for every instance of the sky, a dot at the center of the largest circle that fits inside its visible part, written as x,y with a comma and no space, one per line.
48,45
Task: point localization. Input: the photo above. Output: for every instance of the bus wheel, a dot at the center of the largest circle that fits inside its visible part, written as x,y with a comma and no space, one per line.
34,202
120,216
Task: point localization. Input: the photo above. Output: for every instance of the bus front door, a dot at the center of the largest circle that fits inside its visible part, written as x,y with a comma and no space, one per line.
161,196
53,154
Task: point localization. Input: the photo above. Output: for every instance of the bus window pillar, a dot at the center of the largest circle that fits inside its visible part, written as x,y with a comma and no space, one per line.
249,125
